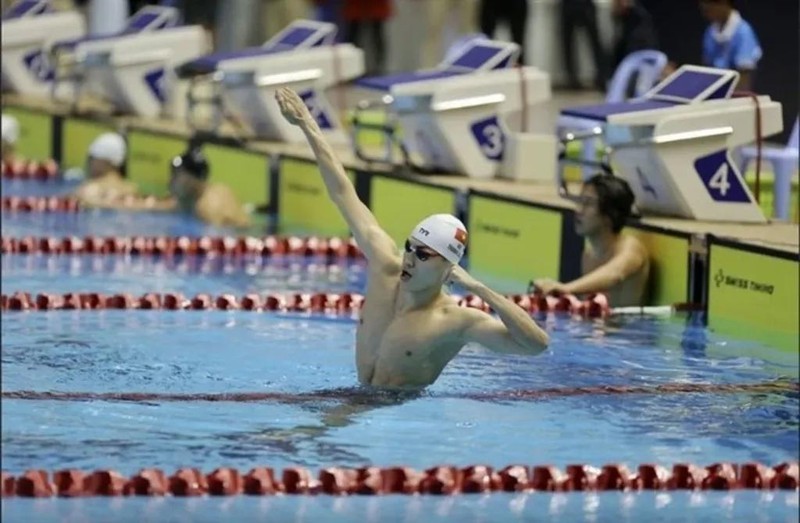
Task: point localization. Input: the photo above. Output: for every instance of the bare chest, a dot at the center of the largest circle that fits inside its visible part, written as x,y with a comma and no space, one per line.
401,348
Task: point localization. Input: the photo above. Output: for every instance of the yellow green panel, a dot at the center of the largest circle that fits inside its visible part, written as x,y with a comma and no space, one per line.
77,135
149,158
35,133
303,203
511,243
399,205
669,266
245,172
754,296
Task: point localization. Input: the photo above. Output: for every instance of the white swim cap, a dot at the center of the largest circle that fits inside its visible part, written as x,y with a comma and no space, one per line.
10,129
110,147
443,233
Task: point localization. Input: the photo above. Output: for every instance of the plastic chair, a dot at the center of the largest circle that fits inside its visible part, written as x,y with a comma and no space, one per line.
648,66
784,165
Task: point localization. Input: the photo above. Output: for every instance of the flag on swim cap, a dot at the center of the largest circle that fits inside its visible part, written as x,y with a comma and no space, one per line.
443,233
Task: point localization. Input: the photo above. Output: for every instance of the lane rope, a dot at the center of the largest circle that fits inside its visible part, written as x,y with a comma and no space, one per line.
372,480
594,306
168,246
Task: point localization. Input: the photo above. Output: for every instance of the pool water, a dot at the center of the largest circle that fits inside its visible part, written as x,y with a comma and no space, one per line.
131,389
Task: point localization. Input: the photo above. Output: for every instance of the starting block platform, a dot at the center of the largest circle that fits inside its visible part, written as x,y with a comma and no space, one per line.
29,29
674,145
457,116
134,69
303,56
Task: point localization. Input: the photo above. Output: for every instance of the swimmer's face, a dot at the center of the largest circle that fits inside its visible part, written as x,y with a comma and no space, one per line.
715,11
183,185
8,150
97,167
422,266
588,219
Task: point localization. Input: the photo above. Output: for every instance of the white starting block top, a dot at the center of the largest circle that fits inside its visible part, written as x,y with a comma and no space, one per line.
135,68
26,9
29,28
456,117
674,146
303,56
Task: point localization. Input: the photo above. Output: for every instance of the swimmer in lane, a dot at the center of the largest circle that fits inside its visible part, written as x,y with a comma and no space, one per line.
106,182
410,328
613,263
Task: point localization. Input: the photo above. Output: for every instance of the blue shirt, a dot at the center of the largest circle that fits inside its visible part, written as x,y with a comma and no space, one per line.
734,47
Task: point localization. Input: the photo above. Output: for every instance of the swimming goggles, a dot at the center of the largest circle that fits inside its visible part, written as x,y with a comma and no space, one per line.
418,252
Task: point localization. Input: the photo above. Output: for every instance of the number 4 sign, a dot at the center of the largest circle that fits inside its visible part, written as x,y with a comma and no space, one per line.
721,179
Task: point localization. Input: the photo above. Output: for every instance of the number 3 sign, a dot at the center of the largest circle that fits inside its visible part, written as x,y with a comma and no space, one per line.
490,137
720,178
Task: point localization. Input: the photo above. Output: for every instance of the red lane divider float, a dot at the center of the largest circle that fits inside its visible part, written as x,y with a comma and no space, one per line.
331,247
767,387
39,204
371,481
31,170
594,306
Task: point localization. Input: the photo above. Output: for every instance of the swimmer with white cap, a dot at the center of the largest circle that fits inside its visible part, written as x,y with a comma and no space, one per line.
106,185
410,328
10,137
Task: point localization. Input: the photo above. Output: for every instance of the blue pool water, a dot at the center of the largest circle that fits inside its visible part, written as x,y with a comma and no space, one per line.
317,417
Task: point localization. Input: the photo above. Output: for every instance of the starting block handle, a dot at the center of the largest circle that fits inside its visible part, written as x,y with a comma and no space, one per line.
390,134
386,129
602,165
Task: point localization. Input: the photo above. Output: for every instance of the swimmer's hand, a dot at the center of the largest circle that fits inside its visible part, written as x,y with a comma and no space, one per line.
458,276
292,106
547,286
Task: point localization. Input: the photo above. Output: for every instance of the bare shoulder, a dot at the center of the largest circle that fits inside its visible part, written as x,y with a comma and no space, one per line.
220,190
632,243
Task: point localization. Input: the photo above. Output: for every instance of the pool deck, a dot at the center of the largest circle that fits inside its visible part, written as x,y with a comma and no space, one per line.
777,235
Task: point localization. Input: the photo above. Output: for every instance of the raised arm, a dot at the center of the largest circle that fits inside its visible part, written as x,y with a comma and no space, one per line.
372,240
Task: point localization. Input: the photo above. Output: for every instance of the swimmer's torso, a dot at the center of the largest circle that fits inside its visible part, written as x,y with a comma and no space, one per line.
219,206
105,189
402,349
631,291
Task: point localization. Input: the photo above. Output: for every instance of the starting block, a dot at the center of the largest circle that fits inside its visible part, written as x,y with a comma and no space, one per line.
134,69
29,28
456,117
303,56
674,146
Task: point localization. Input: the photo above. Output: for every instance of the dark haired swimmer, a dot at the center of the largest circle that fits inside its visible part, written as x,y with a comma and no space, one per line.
214,203
613,263
410,328
190,192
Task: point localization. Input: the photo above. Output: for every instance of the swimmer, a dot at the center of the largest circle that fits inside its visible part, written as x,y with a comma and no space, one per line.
614,264
106,184
214,203
409,327
10,137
